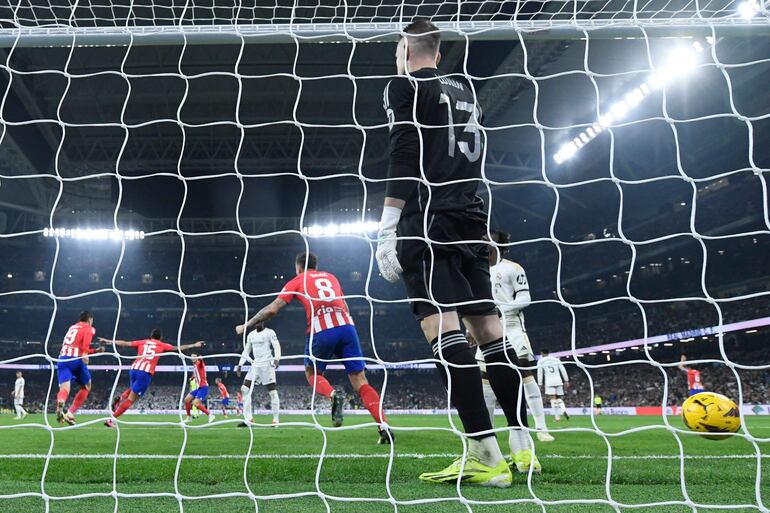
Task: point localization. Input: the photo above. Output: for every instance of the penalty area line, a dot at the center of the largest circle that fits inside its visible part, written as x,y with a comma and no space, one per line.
362,456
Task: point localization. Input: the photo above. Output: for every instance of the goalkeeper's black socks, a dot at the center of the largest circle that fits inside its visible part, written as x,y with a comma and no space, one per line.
506,380
463,383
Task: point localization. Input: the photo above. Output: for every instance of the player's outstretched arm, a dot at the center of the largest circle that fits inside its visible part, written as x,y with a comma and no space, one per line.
119,343
266,313
185,347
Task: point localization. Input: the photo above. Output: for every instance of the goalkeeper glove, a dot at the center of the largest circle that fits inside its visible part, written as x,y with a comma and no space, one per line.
387,255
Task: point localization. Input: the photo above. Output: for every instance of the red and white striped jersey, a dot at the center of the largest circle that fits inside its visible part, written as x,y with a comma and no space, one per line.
321,295
223,390
77,341
149,351
199,373
693,380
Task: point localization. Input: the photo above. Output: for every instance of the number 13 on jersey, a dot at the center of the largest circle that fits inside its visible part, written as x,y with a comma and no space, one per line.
472,154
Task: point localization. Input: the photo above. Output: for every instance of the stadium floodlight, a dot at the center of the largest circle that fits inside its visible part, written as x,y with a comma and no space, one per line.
332,229
93,234
748,9
680,61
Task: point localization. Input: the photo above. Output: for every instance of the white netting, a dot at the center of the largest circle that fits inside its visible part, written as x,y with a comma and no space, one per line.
251,12
309,114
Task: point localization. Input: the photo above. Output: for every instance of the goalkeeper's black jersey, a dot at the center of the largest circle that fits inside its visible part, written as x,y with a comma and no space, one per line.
434,119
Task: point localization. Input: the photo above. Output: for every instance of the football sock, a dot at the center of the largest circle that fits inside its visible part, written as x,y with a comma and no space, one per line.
321,384
78,401
275,403
518,440
188,408
505,381
485,450
555,407
371,400
122,407
535,401
490,399
124,395
463,383
61,396
246,393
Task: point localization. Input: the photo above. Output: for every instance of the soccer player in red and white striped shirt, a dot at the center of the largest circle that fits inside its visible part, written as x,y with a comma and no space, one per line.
73,366
197,396
224,396
148,353
694,383
331,333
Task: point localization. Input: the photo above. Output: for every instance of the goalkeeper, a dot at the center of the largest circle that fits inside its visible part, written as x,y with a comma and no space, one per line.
431,204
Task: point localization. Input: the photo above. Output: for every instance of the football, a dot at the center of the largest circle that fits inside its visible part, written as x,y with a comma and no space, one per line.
711,413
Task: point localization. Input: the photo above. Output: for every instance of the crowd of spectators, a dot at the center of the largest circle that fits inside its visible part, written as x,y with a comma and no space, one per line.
33,324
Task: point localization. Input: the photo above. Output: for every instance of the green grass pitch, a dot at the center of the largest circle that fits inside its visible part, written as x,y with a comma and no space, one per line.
285,465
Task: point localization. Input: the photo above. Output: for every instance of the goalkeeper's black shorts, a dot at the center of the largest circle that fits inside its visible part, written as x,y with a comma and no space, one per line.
446,271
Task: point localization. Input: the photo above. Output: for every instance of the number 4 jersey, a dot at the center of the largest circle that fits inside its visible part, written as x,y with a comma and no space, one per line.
321,295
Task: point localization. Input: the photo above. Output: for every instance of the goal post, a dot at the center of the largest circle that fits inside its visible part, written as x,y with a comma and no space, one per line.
337,32
37,23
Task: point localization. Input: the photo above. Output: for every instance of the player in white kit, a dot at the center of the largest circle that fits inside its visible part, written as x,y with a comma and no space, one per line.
264,351
510,291
556,380
18,396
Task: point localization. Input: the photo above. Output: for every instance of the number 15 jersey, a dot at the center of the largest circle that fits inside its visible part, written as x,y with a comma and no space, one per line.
149,351
321,295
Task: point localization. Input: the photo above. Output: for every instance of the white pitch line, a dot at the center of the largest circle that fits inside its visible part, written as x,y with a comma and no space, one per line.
418,456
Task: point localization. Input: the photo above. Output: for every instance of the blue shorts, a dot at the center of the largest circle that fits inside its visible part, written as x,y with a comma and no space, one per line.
73,369
340,342
225,401
200,393
696,391
140,381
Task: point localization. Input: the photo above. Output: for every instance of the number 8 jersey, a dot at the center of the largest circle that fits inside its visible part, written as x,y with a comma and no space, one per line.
321,295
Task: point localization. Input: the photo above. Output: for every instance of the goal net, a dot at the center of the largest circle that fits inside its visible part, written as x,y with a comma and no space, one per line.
162,161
